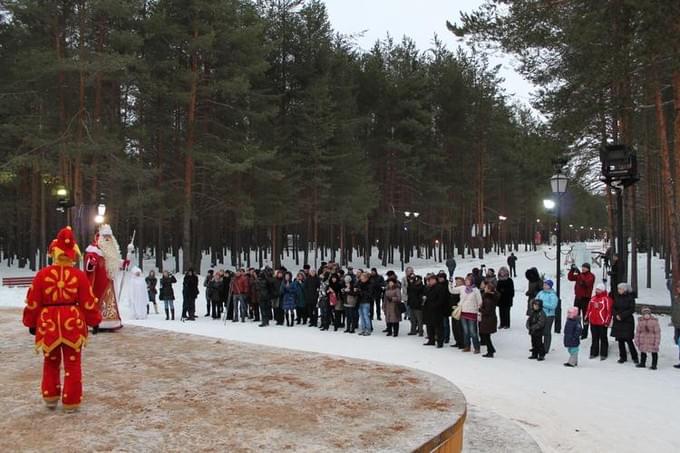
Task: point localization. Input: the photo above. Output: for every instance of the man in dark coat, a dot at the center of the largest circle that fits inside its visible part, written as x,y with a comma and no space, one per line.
614,273
189,294
623,327
311,292
451,266
378,285
436,302
512,263
208,291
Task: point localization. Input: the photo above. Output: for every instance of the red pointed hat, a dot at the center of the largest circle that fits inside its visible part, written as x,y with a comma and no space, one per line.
64,244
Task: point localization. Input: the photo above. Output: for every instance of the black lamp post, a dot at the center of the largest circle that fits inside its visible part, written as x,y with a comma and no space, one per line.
64,202
558,185
410,216
619,170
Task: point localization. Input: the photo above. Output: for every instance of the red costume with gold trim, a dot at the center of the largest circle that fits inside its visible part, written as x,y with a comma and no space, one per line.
102,285
60,306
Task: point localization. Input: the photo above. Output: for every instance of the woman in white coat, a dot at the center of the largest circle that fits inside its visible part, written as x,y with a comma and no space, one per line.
139,295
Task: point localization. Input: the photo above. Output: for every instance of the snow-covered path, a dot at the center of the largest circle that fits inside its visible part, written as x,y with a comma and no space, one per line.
600,406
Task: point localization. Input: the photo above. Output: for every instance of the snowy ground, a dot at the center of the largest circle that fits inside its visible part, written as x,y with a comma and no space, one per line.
600,406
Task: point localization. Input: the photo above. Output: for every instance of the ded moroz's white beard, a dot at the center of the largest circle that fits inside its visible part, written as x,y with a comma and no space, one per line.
111,252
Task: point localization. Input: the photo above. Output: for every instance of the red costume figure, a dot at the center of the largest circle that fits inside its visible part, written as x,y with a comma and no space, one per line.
102,263
59,307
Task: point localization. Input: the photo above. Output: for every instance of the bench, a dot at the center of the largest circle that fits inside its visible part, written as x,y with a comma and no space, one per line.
21,282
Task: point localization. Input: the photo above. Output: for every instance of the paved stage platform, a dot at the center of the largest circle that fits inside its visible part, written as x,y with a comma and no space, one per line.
155,391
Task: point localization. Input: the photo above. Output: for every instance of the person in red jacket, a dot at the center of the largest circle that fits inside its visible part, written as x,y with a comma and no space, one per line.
599,316
240,290
60,305
583,290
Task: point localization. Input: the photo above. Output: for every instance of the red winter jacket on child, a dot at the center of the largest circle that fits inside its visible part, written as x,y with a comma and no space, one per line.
599,312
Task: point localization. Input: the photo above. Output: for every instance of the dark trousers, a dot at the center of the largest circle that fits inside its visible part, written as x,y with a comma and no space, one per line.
188,307
337,319
209,304
376,304
216,309
582,304
278,315
631,347
537,348
513,270
447,329
229,305
435,332
457,329
393,329
326,317
301,313
265,311
416,321
655,359
351,318
600,343
313,314
486,340
504,314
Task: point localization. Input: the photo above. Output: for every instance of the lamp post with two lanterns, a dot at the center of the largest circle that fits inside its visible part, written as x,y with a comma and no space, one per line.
410,216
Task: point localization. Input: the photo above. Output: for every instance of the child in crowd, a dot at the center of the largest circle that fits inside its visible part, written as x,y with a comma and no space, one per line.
535,326
572,335
647,338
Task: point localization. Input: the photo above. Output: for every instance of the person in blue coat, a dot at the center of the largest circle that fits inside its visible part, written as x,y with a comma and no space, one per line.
572,336
549,299
289,293
299,285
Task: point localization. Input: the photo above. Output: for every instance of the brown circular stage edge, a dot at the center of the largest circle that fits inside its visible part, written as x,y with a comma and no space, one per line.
153,391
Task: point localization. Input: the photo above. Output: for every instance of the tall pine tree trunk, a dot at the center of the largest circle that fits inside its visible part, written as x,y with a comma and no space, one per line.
670,210
189,162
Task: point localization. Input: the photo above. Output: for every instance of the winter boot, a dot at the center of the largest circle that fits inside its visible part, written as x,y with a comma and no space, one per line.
167,314
147,309
643,361
172,315
655,360
155,307
395,329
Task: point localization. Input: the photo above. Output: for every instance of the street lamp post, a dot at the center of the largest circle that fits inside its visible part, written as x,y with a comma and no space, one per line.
558,185
64,202
501,244
410,216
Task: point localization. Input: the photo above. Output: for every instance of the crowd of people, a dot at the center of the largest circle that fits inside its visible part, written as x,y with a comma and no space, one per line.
463,311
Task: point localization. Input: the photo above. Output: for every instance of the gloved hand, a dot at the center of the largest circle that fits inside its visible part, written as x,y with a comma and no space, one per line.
95,330
31,330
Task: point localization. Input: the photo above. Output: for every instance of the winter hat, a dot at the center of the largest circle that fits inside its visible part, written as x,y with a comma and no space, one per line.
348,279
586,265
646,310
600,288
549,283
572,313
105,230
64,245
